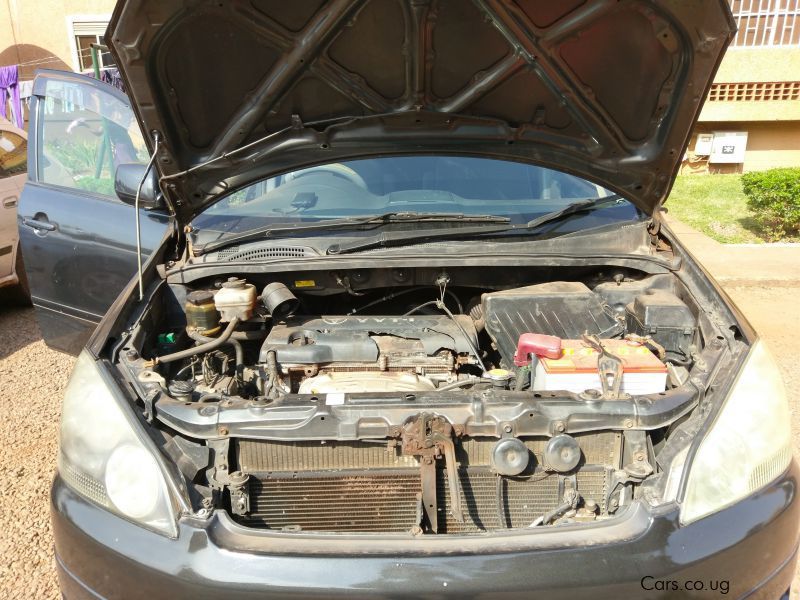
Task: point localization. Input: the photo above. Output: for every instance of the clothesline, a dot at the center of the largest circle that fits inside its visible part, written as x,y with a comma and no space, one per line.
52,58
16,92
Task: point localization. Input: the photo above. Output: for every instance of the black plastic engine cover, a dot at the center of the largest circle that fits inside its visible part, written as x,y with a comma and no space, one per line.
664,317
562,308
351,339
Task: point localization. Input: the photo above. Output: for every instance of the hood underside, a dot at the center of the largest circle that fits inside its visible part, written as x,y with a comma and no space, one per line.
239,90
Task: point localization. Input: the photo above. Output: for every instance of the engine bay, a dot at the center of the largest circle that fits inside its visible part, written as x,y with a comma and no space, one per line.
451,407
438,344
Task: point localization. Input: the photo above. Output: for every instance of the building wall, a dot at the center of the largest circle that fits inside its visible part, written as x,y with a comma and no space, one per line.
749,112
773,126
36,33
746,65
769,145
764,63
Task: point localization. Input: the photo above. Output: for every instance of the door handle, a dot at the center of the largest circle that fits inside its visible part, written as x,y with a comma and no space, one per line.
38,225
10,202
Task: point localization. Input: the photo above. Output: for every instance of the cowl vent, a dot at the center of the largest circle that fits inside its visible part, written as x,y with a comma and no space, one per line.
235,254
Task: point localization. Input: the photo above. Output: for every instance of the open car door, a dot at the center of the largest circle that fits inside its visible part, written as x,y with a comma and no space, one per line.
78,239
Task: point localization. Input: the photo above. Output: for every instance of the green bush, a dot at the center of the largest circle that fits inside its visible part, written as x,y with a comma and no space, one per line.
774,197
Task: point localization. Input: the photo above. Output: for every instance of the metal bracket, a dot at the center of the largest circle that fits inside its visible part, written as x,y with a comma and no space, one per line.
218,473
240,494
429,501
635,455
151,395
609,367
653,228
446,443
430,437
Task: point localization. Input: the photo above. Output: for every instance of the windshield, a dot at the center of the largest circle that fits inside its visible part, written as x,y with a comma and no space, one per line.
418,184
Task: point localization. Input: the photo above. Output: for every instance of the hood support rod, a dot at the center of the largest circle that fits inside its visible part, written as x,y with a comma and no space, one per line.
156,140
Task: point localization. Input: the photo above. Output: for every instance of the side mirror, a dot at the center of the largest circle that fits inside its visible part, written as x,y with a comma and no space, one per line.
126,182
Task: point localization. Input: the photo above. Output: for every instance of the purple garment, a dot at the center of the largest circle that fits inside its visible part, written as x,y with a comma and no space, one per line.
111,76
9,77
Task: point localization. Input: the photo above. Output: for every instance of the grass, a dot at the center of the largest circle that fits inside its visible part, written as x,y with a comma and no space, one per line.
715,205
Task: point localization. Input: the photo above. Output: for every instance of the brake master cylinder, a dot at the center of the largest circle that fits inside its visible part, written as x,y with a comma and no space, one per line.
235,299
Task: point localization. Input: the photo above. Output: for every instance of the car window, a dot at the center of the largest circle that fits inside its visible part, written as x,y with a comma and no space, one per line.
13,154
86,134
419,184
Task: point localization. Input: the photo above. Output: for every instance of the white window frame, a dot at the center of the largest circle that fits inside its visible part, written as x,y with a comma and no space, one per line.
84,25
753,12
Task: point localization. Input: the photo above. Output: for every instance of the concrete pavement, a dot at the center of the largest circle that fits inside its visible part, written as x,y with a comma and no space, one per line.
764,282
776,265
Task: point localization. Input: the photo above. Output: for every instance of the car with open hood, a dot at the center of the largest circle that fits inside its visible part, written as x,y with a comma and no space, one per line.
404,317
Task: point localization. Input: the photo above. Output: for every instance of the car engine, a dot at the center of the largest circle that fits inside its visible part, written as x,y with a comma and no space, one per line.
422,408
371,354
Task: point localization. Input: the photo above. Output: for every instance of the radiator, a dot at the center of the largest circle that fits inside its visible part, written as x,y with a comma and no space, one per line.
360,487
337,501
517,503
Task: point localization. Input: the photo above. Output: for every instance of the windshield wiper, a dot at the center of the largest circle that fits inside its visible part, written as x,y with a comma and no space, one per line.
348,223
399,238
572,209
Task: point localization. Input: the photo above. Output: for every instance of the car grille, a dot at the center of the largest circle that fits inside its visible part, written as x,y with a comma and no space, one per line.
359,487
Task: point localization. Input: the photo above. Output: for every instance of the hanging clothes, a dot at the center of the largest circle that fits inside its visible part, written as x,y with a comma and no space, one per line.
26,89
25,93
111,76
9,78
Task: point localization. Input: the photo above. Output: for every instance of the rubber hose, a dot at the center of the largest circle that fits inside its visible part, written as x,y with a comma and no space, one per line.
237,347
207,347
458,384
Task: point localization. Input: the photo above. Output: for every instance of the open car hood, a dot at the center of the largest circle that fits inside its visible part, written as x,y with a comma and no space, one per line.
243,89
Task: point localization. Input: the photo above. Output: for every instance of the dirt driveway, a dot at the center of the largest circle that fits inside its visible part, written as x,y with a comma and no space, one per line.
32,379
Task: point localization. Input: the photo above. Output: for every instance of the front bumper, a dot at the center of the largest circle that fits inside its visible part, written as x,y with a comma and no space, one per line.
748,548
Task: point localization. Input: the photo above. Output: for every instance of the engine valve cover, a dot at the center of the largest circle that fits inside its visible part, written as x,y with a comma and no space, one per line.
334,339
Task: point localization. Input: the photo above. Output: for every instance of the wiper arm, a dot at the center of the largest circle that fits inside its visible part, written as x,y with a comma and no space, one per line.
348,223
574,208
399,238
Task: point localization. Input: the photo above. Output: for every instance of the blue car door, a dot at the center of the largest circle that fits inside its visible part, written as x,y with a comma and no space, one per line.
78,239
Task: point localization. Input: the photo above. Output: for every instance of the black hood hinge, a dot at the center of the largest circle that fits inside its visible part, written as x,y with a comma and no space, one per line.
657,243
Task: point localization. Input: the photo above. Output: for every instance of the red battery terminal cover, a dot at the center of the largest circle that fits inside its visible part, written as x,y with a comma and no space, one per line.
548,346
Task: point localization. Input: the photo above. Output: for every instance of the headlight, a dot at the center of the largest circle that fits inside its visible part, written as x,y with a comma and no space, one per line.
748,446
104,458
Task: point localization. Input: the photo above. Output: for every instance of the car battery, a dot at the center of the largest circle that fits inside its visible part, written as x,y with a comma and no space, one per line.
576,369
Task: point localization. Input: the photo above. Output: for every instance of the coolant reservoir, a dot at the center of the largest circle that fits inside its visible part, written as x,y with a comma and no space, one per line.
236,298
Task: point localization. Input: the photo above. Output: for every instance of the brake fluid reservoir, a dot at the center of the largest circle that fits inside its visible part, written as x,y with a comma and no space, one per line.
236,298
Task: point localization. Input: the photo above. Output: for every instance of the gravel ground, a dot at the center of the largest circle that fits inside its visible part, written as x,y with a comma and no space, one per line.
33,378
